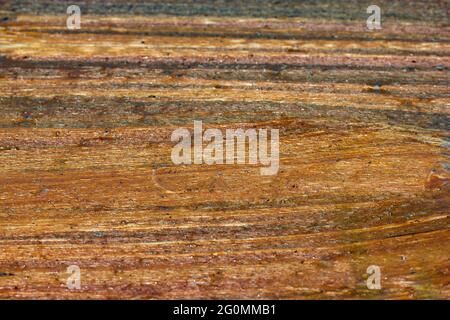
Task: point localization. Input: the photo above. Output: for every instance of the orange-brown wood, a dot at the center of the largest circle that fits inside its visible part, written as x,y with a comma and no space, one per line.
86,176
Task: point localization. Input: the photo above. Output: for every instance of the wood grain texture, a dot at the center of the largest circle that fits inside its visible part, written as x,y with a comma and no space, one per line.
86,176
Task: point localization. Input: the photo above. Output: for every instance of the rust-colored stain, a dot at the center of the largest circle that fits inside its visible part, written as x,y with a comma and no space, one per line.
86,176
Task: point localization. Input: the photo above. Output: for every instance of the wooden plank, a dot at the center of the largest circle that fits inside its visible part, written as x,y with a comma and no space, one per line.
87,177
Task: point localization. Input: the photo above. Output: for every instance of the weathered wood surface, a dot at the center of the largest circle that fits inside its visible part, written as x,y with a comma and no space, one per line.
86,176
